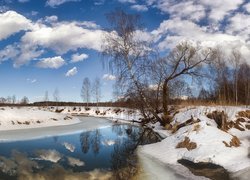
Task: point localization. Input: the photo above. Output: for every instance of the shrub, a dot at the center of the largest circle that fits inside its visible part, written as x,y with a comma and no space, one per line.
87,108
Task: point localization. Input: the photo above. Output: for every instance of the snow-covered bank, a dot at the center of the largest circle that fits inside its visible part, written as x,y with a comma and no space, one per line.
12,118
112,113
203,141
86,124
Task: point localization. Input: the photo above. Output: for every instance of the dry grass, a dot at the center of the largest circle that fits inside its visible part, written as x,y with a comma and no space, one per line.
220,118
167,118
247,126
235,142
245,114
187,144
197,127
175,127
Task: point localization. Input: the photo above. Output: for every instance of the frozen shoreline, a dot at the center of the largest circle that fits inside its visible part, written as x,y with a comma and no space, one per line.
36,133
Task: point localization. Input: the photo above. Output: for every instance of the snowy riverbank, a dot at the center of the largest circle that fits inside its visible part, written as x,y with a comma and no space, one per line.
12,118
195,133
203,141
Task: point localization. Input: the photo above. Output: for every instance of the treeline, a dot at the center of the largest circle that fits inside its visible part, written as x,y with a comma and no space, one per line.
229,80
9,100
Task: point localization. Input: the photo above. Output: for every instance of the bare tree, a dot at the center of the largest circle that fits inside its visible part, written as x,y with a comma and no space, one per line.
56,95
46,96
183,60
24,100
128,54
236,58
96,90
13,99
85,91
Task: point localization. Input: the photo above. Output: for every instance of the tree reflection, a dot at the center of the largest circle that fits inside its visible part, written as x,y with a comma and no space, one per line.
91,138
123,158
85,141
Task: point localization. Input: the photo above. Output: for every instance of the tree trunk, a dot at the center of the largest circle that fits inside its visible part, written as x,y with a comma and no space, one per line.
165,97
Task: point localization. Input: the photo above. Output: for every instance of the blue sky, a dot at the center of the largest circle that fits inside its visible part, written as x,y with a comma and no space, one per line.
48,44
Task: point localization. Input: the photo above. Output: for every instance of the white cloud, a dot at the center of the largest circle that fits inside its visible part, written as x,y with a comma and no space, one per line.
40,35
8,52
31,81
239,25
195,9
54,3
65,36
247,7
51,19
138,7
171,32
127,1
11,23
54,62
108,77
23,1
71,72
78,57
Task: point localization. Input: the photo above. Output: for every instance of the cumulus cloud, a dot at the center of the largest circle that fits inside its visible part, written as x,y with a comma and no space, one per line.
196,9
171,32
53,37
108,77
71,72
11,23
46,33
53,63
78,57
138,7
54,3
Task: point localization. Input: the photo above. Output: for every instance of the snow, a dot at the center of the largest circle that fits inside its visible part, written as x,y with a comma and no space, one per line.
208,138
111,113
12,118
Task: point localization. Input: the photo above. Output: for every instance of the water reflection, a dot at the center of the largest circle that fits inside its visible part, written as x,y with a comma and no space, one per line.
126,139
100,154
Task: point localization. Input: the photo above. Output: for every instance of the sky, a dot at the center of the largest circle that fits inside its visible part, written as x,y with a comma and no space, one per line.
49,44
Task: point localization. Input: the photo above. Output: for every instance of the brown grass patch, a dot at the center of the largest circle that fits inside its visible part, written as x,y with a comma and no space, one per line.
220,118
248,126
245,114
187,144
235,142
197,127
